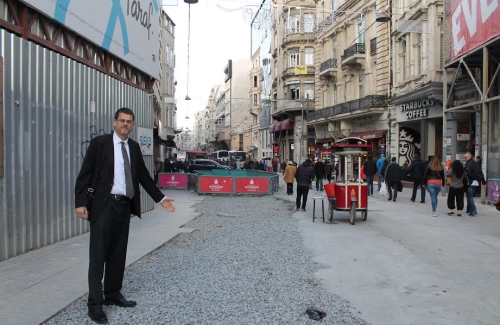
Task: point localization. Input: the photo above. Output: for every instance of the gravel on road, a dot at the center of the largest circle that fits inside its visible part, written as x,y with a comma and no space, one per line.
244,264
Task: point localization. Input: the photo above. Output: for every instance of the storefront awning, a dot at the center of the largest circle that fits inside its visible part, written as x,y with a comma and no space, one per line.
368,134
166,143
286,124
274,127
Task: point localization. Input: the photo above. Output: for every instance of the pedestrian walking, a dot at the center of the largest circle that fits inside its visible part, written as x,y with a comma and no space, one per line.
304,176
392,178
433,179
473,172
456,191
380,164
289,176
319,171
112,170
157,169
329,171
370,169
383,171
416,172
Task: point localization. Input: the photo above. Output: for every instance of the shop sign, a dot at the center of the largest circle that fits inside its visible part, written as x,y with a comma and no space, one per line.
381,149
276,148
292,146
417,108
463,137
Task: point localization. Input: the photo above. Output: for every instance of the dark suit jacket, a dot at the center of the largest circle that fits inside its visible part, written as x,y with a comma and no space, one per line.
100,158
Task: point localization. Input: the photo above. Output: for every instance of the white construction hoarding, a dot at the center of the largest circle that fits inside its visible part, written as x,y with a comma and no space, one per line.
129,29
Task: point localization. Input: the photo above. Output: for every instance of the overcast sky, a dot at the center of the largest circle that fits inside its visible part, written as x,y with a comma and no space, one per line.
216,37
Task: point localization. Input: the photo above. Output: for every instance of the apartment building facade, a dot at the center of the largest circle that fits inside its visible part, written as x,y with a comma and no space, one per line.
352,84
418,76
165,108
293,79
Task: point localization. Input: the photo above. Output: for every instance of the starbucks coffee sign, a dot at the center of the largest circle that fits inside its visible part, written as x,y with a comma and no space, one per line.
416,109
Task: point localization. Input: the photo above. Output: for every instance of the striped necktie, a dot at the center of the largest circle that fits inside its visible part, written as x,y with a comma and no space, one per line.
128,173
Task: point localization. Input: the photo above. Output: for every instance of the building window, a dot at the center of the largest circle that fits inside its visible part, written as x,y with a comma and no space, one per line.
403,61
308,23
309,56
334,95
294,58
294,24
361,77
420,54
295,93
334,4
255,82
255,100
361,31
335,45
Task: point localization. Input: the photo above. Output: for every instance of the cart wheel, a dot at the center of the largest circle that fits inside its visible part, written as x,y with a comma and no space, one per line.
352,213
364,215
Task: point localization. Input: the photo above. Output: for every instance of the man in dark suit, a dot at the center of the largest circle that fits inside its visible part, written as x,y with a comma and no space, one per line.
113,168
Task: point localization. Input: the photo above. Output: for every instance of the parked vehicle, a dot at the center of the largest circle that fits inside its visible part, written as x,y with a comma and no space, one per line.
204,164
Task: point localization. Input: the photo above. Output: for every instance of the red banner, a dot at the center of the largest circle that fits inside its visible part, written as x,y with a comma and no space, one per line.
252,185
473,23
172,180
216,184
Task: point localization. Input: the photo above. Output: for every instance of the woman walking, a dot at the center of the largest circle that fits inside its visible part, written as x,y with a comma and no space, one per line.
456,192
434,180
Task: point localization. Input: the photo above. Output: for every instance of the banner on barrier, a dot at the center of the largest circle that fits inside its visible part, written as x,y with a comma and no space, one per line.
173,180
252,185
216,184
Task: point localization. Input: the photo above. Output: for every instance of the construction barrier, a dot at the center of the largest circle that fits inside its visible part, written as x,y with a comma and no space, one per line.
236,181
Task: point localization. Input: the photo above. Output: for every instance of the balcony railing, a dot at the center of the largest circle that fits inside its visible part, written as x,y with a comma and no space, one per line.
361,104
373,45
328,64
358,48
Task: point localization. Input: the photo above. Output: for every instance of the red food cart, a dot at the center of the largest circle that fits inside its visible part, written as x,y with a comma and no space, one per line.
351,193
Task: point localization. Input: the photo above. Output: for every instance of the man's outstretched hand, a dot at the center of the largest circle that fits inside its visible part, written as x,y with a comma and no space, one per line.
167,204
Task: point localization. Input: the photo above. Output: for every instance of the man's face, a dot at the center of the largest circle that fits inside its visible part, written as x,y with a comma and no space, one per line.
467,157
123,124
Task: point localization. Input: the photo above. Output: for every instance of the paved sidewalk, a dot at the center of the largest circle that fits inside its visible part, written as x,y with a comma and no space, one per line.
36,285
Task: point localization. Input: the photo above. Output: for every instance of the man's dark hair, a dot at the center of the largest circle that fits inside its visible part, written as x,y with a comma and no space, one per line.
125,110
393,159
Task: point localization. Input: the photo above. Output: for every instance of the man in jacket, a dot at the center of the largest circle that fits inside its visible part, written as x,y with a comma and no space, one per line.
319,170
380,163
370,169
474,173
158,168
416,171
392,179
303,176
113,168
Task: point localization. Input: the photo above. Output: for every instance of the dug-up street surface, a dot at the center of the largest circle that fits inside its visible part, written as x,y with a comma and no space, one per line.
255,260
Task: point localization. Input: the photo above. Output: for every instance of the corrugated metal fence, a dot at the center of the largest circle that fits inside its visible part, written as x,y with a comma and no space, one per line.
47,128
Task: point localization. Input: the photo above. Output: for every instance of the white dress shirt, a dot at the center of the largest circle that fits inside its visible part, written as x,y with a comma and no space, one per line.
119,185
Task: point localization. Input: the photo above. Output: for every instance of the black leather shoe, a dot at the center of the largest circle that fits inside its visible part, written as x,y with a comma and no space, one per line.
389,199
97,315
120,301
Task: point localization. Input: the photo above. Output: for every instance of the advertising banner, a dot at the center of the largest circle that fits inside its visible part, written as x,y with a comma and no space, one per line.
129,29
145,137
473,23
173,180
216,184
252,185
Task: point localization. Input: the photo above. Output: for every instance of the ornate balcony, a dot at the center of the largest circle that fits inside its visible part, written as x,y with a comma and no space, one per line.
328,68
354,54
297,38
368,104
291,72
